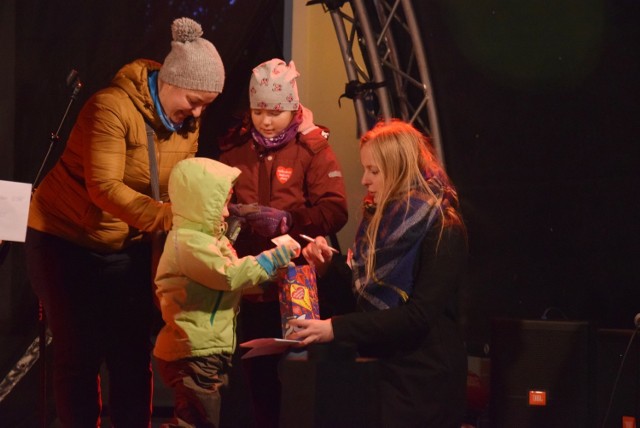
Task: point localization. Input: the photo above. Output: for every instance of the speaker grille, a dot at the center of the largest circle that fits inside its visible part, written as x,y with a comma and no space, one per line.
537,355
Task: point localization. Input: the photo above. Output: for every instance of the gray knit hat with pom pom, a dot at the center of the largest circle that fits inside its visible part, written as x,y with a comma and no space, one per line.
193,63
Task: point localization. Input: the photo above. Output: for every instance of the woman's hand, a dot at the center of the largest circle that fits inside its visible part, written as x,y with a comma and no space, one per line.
318,254
306,124
310,331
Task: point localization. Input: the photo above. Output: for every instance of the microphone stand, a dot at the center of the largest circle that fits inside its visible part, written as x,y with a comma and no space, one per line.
43,339
4,250
74,81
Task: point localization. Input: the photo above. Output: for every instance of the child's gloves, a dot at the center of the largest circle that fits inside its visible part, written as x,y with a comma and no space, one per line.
269,222
307,124
241,210
275,258
234,227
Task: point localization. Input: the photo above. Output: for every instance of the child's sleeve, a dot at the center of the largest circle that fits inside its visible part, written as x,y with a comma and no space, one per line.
212,263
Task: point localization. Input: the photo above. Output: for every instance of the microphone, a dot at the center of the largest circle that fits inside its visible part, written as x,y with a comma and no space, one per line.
74,81
71,77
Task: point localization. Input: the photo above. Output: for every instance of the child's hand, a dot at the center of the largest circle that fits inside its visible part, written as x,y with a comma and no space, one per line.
289,242
242,210
307,124
269,222
275,258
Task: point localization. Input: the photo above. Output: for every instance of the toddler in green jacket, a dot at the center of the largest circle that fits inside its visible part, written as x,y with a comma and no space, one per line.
199,282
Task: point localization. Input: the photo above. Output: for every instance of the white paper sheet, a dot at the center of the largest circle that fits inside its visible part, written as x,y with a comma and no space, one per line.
287,239
14,210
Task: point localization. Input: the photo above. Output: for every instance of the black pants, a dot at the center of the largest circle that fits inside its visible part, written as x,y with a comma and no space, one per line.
199,384
258,320
98,308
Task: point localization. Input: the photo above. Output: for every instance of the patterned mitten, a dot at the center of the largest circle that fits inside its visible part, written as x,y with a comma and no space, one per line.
269,222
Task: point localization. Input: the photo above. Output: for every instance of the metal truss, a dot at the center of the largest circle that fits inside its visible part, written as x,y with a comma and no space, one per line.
391,78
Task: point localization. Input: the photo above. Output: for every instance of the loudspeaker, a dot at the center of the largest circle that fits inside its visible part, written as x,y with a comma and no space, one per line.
625,401
541,374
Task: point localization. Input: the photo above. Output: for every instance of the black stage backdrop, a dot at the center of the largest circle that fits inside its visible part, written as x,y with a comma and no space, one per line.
537,103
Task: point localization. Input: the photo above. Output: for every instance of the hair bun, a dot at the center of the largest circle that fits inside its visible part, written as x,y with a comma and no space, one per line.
185,30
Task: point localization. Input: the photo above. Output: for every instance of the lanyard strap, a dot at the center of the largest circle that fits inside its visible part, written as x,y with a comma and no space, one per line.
153,164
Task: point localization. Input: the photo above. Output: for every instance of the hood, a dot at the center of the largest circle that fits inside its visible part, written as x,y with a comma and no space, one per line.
198,190
133,79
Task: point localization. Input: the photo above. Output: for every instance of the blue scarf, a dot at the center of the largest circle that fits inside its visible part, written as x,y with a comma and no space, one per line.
403,226
153,88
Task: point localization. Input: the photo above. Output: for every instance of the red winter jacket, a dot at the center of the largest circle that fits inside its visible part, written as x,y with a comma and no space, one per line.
304,178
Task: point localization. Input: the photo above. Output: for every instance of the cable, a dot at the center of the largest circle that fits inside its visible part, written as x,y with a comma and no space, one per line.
636,321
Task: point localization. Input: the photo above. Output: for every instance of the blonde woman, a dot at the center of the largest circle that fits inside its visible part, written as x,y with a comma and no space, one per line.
409,253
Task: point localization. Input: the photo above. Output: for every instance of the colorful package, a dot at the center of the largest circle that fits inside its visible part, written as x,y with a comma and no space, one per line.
298,295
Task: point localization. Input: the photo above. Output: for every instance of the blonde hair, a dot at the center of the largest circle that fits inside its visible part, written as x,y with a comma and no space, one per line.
405,159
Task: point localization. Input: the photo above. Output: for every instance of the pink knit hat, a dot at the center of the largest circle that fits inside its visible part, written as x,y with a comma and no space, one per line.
273,86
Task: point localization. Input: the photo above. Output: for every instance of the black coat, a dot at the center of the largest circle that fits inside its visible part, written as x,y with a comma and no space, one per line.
421,355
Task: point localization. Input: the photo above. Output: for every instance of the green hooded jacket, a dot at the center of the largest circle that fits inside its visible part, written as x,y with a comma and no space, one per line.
200,277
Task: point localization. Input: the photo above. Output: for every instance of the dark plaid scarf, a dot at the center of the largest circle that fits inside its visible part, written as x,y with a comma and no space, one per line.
399,237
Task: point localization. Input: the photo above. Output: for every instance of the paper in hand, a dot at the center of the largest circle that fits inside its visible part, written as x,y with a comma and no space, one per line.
286,239
266,346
